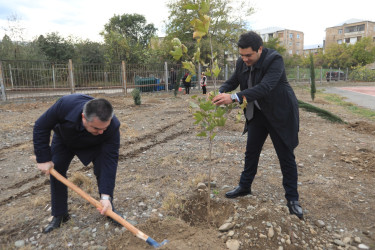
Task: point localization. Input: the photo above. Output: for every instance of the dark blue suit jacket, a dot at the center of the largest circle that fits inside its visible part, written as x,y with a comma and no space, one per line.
65,119
272,91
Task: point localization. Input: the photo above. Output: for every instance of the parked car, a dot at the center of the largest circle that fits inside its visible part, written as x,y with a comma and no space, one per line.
335,75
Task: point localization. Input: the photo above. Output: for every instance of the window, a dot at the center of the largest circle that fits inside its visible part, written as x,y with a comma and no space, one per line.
347,40
340,31
355,28
291,35
339,41
298,36
290,52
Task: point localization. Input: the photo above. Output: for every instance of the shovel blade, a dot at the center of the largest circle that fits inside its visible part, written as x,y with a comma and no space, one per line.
154,243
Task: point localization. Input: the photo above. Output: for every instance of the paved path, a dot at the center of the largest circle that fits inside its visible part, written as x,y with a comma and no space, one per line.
361,96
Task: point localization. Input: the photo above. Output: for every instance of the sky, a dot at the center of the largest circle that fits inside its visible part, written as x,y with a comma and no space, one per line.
86,18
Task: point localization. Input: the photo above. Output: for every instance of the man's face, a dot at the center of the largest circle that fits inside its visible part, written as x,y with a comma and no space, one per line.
96,126
249,56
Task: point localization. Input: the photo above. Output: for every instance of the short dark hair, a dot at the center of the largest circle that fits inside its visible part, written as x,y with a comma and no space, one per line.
100,108
250,39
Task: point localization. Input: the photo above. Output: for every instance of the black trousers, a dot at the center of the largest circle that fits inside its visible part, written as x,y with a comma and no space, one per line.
258,130
187,89
62,157
204,90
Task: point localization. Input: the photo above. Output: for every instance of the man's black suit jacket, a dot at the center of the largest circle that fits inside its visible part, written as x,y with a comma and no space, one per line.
271,90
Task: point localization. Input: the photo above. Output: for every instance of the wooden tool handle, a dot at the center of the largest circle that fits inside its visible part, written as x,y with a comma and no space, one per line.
97,204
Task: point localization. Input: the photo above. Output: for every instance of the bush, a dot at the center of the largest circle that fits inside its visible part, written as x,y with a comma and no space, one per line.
361,73
136,93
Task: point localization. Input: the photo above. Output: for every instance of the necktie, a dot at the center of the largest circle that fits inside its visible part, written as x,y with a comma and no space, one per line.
250,105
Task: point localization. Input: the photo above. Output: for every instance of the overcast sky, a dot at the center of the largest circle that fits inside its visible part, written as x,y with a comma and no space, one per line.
86,18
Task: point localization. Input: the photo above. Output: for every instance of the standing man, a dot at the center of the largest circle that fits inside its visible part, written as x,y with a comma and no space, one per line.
84,127
272,110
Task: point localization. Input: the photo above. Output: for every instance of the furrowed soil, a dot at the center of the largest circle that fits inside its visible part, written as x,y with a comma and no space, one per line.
161,164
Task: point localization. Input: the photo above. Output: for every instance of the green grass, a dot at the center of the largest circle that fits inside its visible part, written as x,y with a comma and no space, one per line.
338,100
320,112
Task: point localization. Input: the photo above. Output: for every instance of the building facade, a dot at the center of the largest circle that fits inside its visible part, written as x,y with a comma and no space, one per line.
350,31
292,40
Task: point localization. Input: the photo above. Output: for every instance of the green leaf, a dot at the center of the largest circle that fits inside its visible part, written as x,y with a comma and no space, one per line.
202,134
194,105
176,42
198,117
216,70
197,55
212,136
189,66
184,48
177,53
191,6
205,7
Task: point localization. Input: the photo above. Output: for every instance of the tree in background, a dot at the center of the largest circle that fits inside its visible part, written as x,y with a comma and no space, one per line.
89,52
339,56
364,51
312,77
128,37
226,24
7,48
56,48
274,43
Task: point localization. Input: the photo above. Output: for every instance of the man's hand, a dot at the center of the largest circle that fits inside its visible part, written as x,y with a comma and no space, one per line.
222,98
45,167
106,204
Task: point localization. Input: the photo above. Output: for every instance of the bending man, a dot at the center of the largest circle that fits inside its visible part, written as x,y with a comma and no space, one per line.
84,127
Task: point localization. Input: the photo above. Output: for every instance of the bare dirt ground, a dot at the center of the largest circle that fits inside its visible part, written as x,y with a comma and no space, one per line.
161,164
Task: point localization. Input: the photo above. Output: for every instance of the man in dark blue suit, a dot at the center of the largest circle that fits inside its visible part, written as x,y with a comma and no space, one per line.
272,109
84,127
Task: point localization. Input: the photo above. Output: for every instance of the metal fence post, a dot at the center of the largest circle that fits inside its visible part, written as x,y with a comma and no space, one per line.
3,96
11,76
123,73
71,75
321,74
53,75
166,75
297,73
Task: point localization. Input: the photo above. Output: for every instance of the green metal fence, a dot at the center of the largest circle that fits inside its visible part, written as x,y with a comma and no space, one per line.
20,79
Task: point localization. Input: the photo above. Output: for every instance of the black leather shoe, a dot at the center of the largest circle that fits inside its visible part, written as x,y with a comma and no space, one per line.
114,221
238,191
56,222
295,208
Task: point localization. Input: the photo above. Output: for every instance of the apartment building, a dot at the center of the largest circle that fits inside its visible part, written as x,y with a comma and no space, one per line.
313,49
292,40
349,31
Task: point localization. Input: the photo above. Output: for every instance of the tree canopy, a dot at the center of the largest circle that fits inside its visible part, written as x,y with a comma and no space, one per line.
127,37
226,24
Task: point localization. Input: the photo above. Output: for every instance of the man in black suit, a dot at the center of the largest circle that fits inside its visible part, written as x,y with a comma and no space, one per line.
84,127
272,109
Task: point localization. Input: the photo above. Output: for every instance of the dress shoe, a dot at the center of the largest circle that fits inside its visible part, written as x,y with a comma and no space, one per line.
295,208
238,191
56,222
114,221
